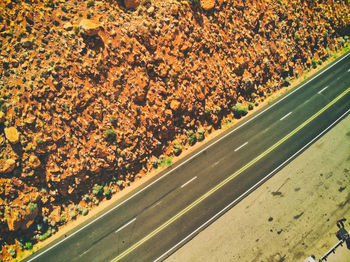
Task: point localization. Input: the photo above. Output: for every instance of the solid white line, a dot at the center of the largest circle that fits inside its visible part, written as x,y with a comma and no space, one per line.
187,160
189,181
250,189
286,116
238,148
122,227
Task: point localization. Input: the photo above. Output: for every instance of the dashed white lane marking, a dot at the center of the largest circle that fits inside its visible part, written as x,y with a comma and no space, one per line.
286,116
189,181
323,89
216,163
238,148
122,227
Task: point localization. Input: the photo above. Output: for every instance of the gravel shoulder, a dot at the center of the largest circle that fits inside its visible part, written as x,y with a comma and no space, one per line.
289,217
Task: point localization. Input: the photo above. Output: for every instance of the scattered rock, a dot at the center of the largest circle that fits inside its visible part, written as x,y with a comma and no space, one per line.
7,165
34,162
207,4
89,27
68,26
12,134
132,4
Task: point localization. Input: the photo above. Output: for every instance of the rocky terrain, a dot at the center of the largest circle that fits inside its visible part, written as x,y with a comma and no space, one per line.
96,93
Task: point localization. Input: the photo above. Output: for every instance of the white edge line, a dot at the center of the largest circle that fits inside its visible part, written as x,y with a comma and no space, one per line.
238,148
286,116
189,181
251,189
122,227
187,160
319,92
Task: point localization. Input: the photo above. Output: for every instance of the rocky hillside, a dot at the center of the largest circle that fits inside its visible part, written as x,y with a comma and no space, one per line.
95,93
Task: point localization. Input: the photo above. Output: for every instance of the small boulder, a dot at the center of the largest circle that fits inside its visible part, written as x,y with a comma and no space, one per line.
207,4
132,4
89,27
34,162
7,165
174,105
27,43
12,135
68,26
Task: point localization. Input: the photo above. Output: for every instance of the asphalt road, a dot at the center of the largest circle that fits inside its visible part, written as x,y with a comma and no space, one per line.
150,223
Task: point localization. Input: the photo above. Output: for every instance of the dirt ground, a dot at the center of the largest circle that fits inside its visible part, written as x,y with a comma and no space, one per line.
291,216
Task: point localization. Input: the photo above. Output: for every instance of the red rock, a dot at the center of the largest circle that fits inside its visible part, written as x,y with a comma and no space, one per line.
7,165
89,27
34,162
12,134
132,4
207,4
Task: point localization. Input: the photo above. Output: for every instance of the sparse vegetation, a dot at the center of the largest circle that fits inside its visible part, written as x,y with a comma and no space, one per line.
111,135
239,110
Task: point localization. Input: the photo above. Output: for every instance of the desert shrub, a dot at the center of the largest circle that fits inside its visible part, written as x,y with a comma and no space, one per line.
111,135
85,211
120,183
28,245
107,192
177,148
32,206
45,235
97,190
239,110
201,132
192,139
72,214
314,63
286,81
250,106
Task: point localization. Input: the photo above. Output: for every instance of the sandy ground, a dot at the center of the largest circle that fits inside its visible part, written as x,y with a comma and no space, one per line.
291,216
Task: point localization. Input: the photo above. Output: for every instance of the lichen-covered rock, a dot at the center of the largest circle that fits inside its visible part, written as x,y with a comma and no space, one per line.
12,134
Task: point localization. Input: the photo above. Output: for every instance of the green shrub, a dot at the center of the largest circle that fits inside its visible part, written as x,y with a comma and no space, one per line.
32,206
45,235
72,214
120,183
97,190
28,245
107,192
314,63
251,106
177,148
239,110
111,135
201,132
85,211
192,139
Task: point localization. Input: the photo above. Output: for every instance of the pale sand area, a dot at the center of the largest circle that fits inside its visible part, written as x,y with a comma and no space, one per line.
289,217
